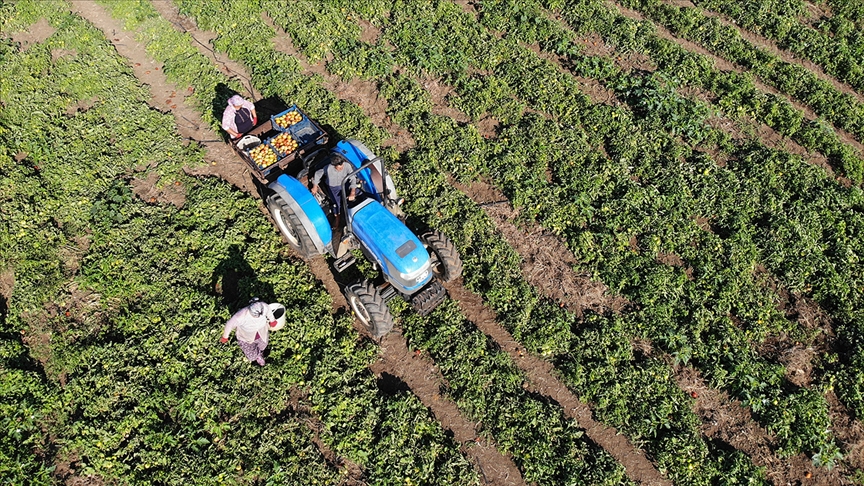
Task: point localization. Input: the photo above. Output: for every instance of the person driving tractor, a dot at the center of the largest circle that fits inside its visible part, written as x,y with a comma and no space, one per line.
337,171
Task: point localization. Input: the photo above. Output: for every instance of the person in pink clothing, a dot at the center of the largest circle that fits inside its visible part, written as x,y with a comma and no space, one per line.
252,324
239,116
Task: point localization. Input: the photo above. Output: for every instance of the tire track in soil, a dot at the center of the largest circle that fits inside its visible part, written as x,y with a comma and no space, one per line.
422,376
168,98
547,263
715,405
725,65
395,358
729,421
769,45
541,380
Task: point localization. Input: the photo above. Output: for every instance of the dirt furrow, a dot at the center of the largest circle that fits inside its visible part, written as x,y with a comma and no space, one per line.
202,41
729,421
168,98
362,93
421,375
725,65
770,46
542,380
547,264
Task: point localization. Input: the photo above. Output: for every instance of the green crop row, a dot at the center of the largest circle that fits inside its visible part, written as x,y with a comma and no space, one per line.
757,384
736,92
110,339
432,51
843,110
778,20
462,149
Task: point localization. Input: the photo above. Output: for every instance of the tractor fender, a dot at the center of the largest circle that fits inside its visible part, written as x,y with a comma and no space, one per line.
307,210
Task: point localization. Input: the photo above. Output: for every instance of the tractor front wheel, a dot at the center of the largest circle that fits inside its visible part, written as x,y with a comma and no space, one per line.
370,308
446,263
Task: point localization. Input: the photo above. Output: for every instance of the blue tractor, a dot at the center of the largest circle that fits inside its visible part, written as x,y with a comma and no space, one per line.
410,266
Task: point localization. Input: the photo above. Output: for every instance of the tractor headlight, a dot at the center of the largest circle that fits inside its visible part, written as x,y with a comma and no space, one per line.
416,276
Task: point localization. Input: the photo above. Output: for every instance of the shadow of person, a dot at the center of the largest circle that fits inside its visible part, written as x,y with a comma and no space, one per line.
220,102
234,280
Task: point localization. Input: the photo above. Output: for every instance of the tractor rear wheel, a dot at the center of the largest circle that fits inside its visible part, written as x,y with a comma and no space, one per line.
290,226
370,308
446,263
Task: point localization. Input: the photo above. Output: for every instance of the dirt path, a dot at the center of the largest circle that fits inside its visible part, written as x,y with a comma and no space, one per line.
168,98
547,264
202,41
543,381
725,65
770,46
422,376
727,420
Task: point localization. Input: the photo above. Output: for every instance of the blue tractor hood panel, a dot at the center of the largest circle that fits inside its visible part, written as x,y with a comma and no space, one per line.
389,239
306,208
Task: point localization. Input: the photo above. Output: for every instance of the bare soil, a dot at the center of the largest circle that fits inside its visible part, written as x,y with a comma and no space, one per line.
730,422
422,376
541,380
7,283
37,33
547,264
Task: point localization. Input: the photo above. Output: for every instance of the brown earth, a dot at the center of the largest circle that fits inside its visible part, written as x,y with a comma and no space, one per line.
35,34
815,13
547,264
541,380
727,420
422,376
7,283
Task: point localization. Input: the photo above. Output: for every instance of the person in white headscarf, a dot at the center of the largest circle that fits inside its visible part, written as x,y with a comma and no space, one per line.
252,324
239,116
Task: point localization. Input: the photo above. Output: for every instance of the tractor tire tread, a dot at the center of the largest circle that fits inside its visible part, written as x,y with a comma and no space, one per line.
448,254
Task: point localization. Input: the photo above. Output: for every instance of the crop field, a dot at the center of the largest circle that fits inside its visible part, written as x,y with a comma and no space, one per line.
658,204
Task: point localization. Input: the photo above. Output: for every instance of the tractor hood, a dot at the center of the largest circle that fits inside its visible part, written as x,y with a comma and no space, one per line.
399,252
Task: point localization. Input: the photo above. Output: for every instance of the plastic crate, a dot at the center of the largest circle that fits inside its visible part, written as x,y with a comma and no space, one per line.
289,110
248,153
305,132
280,153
